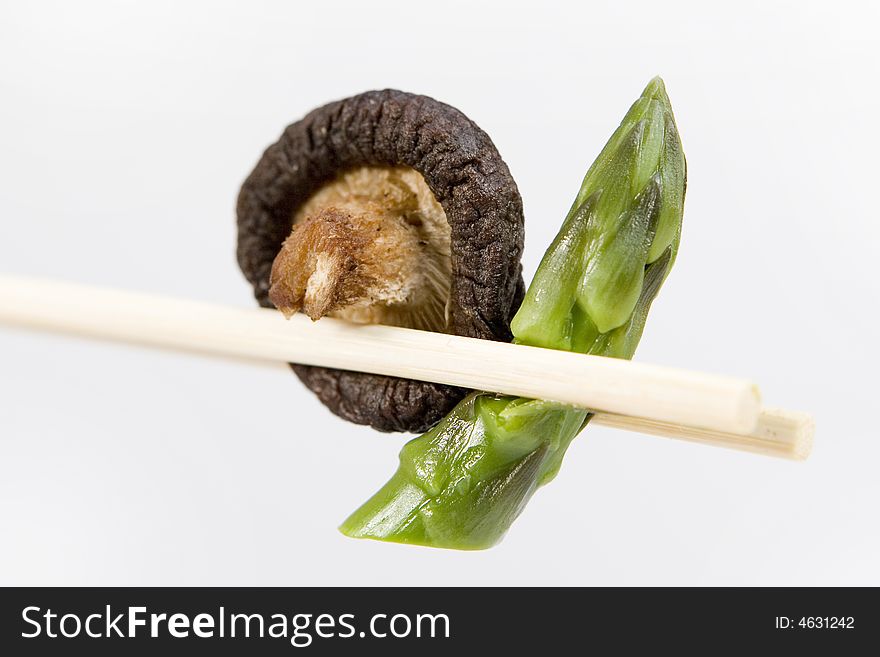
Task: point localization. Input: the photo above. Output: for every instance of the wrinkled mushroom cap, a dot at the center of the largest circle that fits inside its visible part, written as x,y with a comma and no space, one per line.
308,175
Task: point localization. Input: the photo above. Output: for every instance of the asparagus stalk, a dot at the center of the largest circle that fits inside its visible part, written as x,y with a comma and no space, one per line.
463,483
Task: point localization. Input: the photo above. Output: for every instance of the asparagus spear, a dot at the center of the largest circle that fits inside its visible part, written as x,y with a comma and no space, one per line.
464,482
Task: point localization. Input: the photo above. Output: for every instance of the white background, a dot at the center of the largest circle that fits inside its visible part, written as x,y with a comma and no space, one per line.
125,131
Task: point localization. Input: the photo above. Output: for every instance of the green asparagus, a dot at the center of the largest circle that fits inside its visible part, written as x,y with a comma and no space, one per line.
463,483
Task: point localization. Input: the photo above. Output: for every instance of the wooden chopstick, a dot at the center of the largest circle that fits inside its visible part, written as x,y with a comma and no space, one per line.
653,399
781,433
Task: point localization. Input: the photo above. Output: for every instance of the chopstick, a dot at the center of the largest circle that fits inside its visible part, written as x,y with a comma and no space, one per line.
635,396
781,433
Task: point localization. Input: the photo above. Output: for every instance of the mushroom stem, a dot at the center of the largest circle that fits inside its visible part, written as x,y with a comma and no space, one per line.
371,246
320,267
346,255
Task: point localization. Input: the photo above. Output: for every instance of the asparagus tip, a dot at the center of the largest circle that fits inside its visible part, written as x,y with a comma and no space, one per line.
656,90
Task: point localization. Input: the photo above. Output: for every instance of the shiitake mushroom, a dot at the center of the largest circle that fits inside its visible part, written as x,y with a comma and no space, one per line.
385,207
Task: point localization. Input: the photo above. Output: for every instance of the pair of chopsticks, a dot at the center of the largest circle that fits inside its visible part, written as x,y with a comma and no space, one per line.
709,409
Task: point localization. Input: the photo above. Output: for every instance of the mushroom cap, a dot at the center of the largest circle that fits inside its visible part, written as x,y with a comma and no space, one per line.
466,174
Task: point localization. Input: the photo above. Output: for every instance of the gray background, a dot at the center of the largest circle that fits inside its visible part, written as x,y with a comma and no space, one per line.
125,131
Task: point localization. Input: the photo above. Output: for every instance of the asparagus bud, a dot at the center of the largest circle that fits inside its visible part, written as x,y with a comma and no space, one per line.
462,484
626,215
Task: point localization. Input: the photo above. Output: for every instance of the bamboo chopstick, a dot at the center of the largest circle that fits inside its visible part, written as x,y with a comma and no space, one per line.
781,433
655,399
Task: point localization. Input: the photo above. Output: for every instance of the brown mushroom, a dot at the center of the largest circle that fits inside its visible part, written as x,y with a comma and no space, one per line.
392,208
